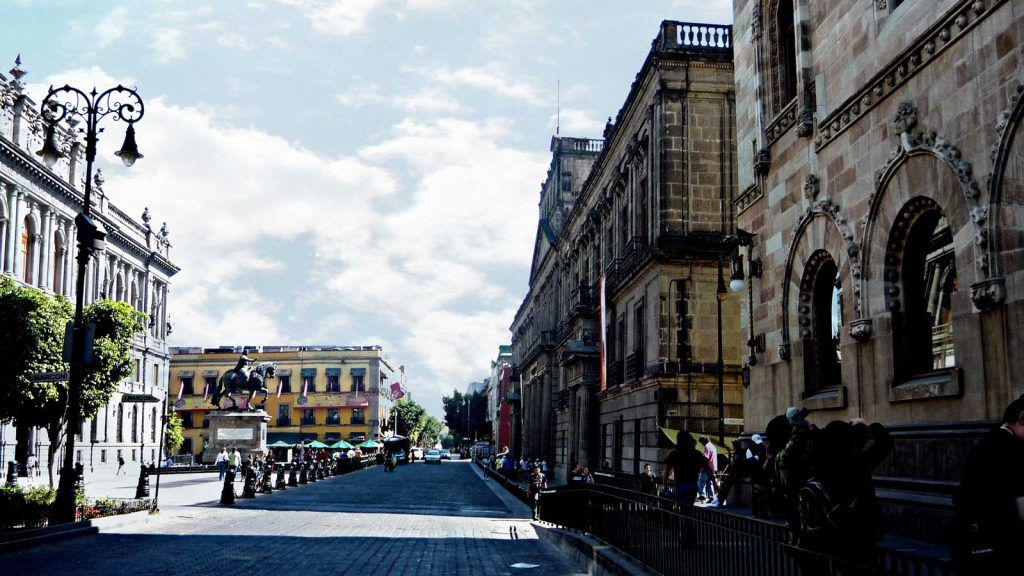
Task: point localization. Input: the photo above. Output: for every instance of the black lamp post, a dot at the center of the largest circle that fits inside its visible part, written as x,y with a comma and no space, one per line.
62,103
722,293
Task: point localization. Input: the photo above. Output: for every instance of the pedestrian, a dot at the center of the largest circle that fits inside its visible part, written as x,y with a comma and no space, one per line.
685,462
537,482
648,480
222,463
234,460
588,478
751,466
120,465
606,466
30,465
705,493
988,505
575,473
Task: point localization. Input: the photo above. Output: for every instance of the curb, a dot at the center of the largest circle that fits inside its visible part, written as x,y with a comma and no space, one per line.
38,536
591,555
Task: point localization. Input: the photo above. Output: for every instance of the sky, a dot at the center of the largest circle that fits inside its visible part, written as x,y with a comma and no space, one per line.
347,172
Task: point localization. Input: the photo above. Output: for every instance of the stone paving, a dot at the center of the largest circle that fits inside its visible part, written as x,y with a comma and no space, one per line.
432,520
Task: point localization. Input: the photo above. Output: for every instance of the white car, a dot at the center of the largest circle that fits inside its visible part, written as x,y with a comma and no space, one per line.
432,457
417,454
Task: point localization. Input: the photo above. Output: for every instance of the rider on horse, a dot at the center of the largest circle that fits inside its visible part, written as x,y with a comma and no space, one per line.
244,366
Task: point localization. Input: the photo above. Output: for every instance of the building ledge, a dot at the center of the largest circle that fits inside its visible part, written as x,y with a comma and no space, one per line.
939,384
829,399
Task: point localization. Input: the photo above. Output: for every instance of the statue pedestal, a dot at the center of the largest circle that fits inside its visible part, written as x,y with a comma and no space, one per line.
245,431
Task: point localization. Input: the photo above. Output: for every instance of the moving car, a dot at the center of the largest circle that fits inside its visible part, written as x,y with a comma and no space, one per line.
417,454
432,457
446,454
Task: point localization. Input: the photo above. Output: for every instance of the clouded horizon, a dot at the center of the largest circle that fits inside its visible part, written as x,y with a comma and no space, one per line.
347,172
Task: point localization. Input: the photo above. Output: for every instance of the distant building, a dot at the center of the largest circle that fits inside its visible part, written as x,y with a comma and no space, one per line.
38,206
882,173
325,393
616,339
502,399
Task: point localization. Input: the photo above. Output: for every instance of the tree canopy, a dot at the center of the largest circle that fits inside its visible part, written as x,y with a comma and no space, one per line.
466,415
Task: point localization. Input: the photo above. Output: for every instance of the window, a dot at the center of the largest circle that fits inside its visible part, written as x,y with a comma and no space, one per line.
645,215
333,417
786,52
308,385
186,419
94,428
152,431
308,417
357,383
821,326
285,384
186,386
284,415
27,250
332,384
138,370
637,437
156,375
78,456
922,311
133,455
358,416
103,456
210,385
135,424
58,263
119,434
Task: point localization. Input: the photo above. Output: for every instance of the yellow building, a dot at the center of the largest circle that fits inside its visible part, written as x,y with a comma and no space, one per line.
325,393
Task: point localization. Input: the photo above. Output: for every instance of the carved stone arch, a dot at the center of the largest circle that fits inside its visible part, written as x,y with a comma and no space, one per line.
818,231
4,212
1006,196
918,168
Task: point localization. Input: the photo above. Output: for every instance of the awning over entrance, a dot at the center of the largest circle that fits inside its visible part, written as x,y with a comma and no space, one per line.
290,437
667,439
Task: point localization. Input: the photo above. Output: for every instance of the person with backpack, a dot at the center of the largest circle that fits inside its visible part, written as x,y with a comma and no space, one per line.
537,482
988,505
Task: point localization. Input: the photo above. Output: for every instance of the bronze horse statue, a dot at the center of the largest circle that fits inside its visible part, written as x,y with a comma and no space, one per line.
234,381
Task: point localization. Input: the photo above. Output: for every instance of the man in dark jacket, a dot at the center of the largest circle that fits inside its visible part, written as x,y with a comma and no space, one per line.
687,462
989,503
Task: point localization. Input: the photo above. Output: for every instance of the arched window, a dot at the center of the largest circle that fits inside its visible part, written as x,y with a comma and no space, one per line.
120,423
921,268
58,264
152,432
28,252
135,424
119,288
821,321
787,52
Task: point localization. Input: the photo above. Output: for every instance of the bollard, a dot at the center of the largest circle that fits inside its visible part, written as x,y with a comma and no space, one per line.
293,474
303,473
227,495
267,486
313,467
142,490
12,473
248,482
319,470
282,483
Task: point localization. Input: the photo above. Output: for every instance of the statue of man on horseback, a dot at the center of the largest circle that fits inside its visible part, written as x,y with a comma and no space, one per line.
246,377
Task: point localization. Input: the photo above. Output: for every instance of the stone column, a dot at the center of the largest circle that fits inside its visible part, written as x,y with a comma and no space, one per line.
12,228
18,264
46,258
34,244
545,419
585,398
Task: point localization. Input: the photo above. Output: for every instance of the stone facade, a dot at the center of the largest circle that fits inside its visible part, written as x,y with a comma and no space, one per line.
881,177
38,206
638,220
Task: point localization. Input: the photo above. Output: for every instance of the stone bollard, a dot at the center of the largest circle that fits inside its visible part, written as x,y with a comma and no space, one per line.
267,485
12,473
248,482
142,490
303,473
293,474
319,470
281,483
312,472
227,494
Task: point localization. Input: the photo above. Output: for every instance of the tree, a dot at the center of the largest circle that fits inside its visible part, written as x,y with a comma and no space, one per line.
431,432
411,419
455,413
173,438
449,441
32,340
466,415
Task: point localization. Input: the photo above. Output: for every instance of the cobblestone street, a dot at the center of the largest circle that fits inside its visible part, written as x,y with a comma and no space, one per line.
419,520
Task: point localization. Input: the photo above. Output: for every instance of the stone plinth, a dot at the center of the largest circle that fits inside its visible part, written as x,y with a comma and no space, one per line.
246,431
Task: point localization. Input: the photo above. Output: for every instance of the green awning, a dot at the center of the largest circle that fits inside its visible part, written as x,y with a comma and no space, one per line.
341,445
316,444
669,435
280,444
370,444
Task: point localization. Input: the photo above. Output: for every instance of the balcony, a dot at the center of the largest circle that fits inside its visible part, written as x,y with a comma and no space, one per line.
284,421
307,422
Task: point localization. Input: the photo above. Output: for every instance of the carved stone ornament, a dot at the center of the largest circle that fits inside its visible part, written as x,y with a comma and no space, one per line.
755,21
989,293
811,187
882,4
805,123
762,162
861,329
906,118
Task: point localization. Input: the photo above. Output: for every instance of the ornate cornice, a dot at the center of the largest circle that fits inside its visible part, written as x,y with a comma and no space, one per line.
782,122
747,198
953,26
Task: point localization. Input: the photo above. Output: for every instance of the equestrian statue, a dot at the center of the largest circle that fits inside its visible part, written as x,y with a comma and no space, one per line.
244,376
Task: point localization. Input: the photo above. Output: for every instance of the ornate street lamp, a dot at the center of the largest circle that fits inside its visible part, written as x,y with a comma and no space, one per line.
121,104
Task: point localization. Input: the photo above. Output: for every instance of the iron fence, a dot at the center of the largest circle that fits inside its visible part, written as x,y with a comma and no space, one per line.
670,538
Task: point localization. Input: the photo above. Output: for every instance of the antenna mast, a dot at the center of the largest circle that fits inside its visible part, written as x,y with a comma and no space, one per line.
558,106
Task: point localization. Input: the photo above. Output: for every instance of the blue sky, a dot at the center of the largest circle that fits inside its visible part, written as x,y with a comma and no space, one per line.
347,171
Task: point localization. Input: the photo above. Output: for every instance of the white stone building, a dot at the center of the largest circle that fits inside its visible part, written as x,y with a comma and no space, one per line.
38,206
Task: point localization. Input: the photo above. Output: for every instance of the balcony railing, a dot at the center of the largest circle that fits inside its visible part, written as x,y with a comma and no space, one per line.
308,422
284,421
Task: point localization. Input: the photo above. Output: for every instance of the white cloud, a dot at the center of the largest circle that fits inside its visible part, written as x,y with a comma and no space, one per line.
167,45
493,77
235,40
577,123
360,95
337,17
111,28
427,101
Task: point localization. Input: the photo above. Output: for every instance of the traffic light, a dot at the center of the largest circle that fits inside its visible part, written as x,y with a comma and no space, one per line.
91,234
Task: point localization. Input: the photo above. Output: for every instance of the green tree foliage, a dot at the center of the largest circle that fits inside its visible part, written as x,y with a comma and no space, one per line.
455,413
466,415
431,432
173,438
411,419
449,441
32,340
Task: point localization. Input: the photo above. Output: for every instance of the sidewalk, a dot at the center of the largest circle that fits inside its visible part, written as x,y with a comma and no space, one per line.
175,489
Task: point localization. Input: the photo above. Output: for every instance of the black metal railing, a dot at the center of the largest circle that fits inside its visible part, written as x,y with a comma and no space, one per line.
670,538
284,421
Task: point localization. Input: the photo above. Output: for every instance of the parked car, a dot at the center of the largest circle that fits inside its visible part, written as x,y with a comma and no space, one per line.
417,454
432,457
446,454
